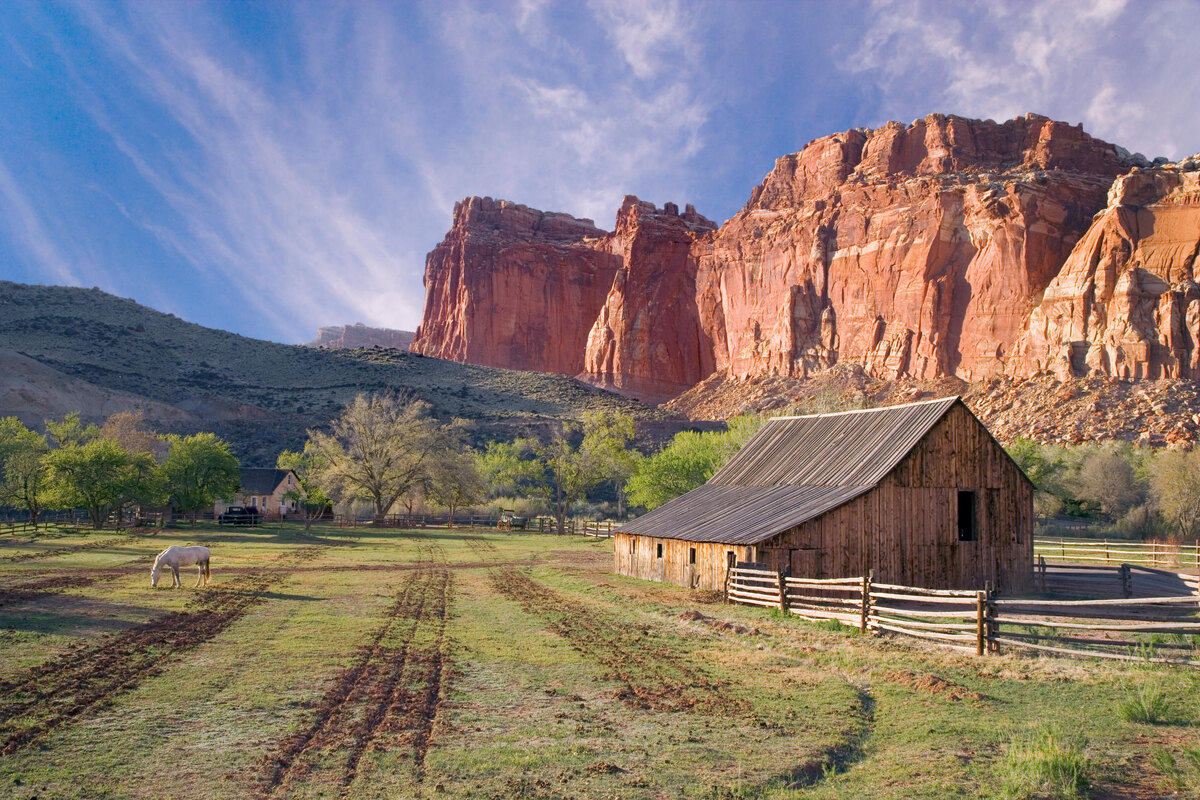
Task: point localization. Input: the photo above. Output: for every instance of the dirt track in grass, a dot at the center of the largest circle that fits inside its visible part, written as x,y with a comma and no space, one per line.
653,674
85,678
387,699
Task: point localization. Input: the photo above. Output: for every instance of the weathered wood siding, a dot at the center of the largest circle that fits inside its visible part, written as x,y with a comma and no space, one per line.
906,529
637,556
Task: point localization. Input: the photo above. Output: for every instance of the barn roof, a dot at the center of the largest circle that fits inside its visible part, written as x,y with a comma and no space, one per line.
792,470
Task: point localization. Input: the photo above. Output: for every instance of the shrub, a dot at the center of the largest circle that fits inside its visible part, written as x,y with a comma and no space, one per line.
1045,764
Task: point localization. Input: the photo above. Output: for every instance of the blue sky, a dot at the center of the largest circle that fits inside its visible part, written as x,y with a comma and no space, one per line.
269,167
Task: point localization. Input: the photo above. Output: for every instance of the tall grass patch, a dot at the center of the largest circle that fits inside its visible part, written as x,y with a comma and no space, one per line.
1045,764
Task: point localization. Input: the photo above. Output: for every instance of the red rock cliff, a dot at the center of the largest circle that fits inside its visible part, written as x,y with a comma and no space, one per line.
511,286
1126,303
924,250
648,341
912,250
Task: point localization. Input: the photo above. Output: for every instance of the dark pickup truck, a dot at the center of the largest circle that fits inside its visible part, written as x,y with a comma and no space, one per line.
239,515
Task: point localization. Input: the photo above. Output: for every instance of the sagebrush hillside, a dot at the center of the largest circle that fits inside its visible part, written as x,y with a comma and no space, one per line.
262,395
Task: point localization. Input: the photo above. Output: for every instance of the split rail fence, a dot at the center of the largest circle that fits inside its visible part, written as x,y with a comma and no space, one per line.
1104,551
980,622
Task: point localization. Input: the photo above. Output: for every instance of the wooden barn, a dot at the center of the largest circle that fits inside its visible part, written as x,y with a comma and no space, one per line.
920,493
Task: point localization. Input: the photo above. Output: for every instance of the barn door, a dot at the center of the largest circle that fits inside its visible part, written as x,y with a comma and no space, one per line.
805,562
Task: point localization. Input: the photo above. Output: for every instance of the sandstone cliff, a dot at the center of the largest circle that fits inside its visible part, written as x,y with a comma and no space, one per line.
1126,303
648,341
945,248
511,286
913,251
348,337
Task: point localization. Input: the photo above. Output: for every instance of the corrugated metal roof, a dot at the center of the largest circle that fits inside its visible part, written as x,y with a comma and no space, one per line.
792,470
853,448
739,514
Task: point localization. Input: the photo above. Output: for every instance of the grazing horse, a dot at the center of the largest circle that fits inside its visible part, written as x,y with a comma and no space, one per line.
175,557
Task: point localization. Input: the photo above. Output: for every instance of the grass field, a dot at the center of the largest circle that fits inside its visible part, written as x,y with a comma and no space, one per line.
392,664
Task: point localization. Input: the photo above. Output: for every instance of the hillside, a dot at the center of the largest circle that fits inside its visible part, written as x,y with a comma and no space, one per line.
66,348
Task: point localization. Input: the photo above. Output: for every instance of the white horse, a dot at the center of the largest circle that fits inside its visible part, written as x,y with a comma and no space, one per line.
175,557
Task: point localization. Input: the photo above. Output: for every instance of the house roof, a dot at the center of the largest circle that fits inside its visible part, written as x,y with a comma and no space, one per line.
260,480
792,470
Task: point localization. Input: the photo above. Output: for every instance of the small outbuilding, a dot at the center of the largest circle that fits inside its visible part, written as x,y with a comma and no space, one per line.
920,493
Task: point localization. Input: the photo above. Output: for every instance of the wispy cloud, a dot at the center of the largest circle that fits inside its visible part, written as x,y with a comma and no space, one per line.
25,225
1120,68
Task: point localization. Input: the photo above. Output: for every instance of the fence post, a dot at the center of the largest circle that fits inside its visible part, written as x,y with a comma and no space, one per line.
866,603
782,590
1106,558
1126,580
980,611
728,575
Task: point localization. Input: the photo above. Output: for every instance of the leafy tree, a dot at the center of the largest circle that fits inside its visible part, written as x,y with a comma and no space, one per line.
102,477
1175,487
379,449
198,470
1107,479
455,481
22,474
308,495
687,462
569,472
70,431
510,468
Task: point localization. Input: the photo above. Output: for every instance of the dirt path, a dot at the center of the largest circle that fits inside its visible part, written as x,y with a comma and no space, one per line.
44,587
654,675
388,699
84,678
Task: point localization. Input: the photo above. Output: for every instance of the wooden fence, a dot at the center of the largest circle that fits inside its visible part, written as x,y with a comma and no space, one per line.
574,527
980,622
1105,551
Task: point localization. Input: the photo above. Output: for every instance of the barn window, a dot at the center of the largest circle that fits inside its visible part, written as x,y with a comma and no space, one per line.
691,555
632,545
660,549
966,517
730,559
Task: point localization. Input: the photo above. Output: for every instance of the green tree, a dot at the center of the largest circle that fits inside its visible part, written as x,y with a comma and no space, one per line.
1175,487
198,470
70,431
309,496
102,477
379,449
22,474
1107,479
687,462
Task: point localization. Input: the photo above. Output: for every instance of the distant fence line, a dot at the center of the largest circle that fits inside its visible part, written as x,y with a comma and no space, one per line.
541,524
978,621
1105,551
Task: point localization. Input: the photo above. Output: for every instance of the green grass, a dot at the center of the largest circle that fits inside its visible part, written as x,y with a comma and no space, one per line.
528,709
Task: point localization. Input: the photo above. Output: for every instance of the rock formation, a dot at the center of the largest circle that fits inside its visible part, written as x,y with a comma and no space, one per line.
511,286
945,248
913,251
648,341
340,337
1126,303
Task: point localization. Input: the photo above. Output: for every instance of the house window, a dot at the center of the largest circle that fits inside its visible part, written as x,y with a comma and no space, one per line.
966,517
660,549
691,555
